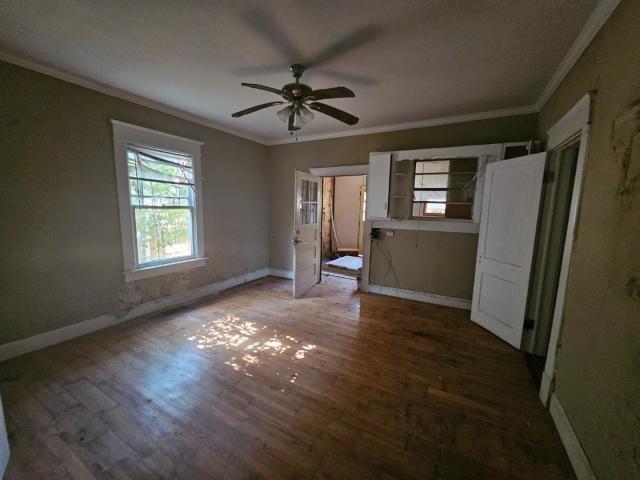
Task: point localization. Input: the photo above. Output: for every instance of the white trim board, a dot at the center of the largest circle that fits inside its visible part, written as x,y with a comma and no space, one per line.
42,340
428,225
281,273
340,171
570,124
572,445
421,296
563,279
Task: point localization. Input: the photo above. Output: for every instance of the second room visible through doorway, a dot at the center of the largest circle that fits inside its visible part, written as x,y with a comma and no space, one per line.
343,213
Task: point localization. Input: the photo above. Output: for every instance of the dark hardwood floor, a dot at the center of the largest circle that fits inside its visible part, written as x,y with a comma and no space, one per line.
252,384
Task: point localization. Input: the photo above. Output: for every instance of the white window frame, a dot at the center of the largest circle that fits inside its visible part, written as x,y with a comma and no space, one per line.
125,134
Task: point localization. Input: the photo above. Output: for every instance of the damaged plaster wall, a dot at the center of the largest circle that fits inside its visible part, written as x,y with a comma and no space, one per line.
598,369
60,230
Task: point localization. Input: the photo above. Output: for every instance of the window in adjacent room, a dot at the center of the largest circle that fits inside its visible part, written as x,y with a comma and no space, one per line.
444,188
160,201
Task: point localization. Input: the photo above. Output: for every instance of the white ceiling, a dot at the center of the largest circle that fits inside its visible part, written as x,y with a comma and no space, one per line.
406,60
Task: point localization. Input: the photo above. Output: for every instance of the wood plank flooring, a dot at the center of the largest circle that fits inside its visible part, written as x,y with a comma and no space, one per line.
252,384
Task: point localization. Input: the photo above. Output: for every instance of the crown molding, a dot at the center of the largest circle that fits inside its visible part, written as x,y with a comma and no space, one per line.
469,117
122,95
592,26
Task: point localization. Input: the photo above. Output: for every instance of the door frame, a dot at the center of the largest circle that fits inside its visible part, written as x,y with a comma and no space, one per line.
572,126
321,172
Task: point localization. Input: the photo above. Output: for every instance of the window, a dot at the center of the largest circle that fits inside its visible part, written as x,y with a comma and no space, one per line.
444,188
160,201
308,202
162,194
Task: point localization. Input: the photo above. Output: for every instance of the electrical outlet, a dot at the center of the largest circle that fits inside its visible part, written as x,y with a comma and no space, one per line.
390,233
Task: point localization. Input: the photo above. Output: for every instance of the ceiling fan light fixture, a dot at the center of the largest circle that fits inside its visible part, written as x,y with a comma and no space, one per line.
302,117
306,115
285,113
301,100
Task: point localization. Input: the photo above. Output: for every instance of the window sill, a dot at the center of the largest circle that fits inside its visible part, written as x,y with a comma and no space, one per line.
164,269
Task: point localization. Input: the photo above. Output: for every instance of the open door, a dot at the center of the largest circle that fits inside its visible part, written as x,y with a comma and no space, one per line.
306,235
508,225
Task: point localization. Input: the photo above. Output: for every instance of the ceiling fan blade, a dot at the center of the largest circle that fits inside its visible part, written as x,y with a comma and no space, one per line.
335,92
255,109
263,23
349,78
262,87
281,70
334,112
290,125
347,43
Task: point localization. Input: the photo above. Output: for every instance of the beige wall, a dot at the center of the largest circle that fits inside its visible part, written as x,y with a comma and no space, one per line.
285,159
441,263
61,257
598,377
346,210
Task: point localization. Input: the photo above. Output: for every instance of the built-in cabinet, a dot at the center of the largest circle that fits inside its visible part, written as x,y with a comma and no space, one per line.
378,185
390,176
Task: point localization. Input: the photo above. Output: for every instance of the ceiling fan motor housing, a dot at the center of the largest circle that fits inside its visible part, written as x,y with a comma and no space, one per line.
296,91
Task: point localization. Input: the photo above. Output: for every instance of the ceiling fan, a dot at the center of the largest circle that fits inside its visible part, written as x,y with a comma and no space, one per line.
301,98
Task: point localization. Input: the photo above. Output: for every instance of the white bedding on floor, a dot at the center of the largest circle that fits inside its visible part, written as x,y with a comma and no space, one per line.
348,262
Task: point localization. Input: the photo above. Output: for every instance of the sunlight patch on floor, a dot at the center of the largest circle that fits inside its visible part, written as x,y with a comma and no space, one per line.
232,333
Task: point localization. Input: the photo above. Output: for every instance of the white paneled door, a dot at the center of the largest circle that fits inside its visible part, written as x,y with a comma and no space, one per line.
306,234
508,225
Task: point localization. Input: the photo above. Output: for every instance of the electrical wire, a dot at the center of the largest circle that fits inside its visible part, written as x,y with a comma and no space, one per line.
389,262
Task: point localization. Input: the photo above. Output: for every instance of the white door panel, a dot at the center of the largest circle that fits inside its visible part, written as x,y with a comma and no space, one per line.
378,185
505,248
306,235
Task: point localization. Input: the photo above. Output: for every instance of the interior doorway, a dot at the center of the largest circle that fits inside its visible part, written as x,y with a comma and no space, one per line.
557,194
344,201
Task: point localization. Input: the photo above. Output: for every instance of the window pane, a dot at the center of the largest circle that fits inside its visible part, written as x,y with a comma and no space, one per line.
308,212
432,166
429,209
142,166
435,208
430,196
431,181
308,191
149,193
163,233
444,188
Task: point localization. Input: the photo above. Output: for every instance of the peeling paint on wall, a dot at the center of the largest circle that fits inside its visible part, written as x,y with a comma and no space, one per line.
625,142
128,296
633,286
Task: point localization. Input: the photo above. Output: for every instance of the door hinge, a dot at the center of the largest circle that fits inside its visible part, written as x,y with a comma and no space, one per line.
528,323
549,176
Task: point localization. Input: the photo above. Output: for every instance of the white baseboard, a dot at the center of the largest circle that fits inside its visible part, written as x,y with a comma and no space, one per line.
278,272
41,340
572,445
545,388
422,297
